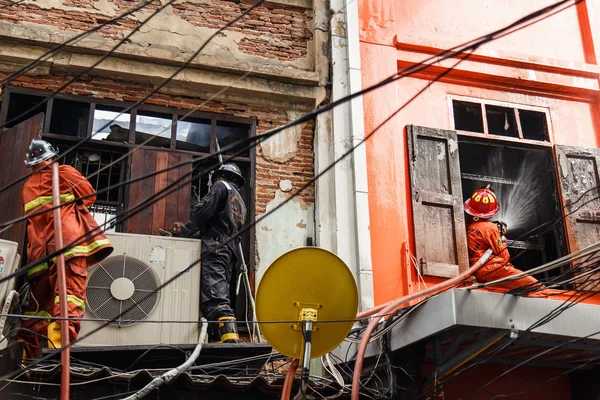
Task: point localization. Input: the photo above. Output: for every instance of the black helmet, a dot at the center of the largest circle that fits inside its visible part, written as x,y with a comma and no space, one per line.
230,172
38,151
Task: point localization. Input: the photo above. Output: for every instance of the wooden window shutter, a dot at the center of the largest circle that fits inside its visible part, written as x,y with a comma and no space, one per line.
438,215
579,177
14,143
168,210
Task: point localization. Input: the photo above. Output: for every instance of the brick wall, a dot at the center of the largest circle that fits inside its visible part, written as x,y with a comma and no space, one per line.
272,31
298,170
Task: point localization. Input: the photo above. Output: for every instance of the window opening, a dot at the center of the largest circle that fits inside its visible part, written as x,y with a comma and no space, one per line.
69,118
148,124
467,116
89,160
194,134
523,180
117,131
534,125
501,121
19,103
229,133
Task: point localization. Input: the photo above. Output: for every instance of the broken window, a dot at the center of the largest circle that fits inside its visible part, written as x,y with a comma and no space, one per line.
443,175
194,134
109,124
153,129
500,120
467,116
524,182
69,118
534,125
103,169
175,140
229,133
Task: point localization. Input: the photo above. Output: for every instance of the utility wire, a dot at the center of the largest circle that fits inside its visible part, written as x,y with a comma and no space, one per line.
8,224
400,74
542,321
152,92
91,67
485,39
11,3
56,49
436,58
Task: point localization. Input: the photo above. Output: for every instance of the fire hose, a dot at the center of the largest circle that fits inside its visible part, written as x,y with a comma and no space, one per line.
393,305
384,308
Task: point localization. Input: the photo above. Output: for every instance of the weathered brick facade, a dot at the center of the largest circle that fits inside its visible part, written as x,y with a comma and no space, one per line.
299,169
272,31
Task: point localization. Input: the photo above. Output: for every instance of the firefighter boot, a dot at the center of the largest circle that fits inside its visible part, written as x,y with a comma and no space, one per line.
54,335
228,330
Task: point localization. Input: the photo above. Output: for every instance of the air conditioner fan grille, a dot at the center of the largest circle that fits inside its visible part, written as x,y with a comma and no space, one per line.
119,283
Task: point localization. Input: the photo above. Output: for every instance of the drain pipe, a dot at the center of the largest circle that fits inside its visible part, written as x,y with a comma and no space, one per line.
393,305
169,375
65,354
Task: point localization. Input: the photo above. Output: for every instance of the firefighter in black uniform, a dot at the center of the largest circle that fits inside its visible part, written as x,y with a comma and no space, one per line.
218,217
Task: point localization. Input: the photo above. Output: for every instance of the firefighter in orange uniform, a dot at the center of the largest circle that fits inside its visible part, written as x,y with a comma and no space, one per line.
483,234
76,222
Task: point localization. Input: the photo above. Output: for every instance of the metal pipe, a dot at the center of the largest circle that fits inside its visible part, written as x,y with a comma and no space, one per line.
244,272
394,304
65,354
169,375
289,380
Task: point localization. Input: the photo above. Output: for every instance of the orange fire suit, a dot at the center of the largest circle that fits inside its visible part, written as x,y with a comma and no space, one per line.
76,222
482,235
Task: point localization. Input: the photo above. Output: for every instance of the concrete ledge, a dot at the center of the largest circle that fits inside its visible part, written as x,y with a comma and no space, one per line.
195,82
40,39
461,307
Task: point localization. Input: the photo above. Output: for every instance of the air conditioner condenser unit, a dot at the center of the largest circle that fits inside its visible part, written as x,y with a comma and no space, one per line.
130,278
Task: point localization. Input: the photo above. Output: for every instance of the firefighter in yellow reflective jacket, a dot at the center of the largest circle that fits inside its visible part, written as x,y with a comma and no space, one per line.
76,222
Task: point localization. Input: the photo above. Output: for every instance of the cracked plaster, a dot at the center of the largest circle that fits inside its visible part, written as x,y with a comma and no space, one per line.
282,148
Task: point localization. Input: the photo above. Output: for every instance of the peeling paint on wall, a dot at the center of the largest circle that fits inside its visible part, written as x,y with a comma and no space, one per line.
283,147
285,231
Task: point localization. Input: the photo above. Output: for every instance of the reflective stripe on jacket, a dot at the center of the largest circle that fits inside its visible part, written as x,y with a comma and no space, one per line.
76,218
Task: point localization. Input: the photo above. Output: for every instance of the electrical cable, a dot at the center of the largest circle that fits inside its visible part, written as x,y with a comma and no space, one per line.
324,171
88,69
434,59
525,362
55,50
543,320
152,92
11,3
169,375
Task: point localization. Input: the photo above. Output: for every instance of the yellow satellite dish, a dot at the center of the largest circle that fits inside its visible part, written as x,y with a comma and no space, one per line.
303,287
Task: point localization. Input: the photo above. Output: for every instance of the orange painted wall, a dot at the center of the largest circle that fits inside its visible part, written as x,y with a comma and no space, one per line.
553,44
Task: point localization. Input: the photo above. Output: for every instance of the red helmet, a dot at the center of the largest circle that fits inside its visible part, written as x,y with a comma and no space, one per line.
482,204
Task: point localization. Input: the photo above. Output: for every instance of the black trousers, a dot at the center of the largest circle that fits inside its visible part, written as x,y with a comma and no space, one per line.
218,263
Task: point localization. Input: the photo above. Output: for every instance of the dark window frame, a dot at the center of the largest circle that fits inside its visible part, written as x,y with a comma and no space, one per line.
249,162
515,107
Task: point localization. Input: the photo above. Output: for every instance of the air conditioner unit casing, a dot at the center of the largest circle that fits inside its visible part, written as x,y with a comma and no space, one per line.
9,263
178,301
